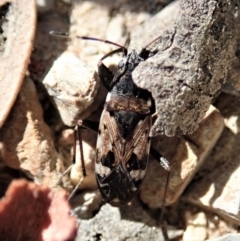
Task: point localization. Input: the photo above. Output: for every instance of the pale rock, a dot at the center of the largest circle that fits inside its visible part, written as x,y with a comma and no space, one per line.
227,237
74,175
124,223
44,5
217,227
185,156
217,187
85,204
196,227
115,33
26,140
73,86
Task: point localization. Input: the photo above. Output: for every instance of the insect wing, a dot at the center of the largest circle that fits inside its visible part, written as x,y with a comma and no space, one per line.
121,165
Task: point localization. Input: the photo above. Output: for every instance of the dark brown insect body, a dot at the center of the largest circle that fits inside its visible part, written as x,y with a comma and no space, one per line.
123,143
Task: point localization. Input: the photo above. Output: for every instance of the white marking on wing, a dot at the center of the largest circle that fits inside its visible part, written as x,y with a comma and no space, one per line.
109,95
102,170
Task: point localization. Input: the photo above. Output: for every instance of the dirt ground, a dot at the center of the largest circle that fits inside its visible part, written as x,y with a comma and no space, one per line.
187,218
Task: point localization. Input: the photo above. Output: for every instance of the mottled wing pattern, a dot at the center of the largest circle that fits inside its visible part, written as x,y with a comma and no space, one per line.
137,149
108,139
121,165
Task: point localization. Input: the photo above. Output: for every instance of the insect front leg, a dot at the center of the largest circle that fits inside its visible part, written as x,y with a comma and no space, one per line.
165,164
105,75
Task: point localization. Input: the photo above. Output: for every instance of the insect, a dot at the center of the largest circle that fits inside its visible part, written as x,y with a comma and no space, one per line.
123,144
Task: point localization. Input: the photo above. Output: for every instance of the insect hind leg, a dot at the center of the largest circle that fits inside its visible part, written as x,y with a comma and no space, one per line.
165,164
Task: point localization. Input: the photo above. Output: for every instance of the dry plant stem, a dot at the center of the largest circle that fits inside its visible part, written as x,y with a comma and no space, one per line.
191,62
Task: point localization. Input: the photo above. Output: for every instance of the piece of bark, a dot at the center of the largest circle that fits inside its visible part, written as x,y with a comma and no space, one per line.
191,62
16,46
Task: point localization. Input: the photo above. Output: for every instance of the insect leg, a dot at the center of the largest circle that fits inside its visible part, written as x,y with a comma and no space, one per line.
165,164
76,130
91,125
78,137
105,75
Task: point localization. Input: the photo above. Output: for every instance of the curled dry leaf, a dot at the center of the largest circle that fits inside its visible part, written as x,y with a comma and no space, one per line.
18,25
32,212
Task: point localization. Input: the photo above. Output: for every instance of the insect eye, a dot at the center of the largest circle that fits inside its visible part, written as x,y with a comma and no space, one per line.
121,64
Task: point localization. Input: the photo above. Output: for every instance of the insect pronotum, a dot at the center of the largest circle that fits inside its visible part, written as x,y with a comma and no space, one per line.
123,144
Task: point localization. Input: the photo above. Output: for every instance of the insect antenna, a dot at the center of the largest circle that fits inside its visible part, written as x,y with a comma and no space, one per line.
144,53
64,35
